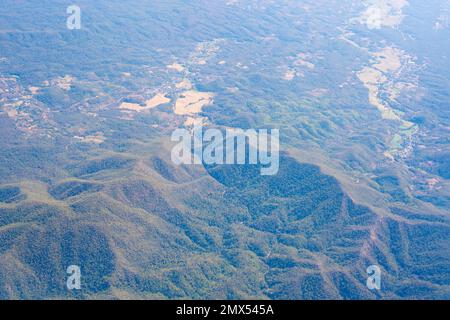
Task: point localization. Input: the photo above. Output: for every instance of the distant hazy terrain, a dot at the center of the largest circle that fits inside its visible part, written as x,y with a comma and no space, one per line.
359,90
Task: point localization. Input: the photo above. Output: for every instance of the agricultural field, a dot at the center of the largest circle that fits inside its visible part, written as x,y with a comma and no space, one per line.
360,94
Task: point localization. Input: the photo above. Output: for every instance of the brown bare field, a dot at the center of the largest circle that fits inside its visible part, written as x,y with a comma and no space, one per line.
191,102
176,66
154,102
